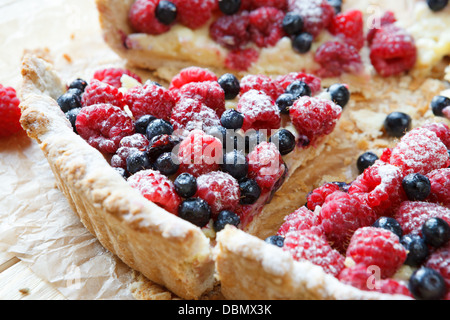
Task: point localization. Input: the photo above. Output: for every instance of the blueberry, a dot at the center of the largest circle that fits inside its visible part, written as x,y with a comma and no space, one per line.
427,284
71,115
275,240
302,42
417,250
366,160
397,124
229,7
69,100
158,127
78,84
235,163
390,224
438,104
336,4
230,84
285,102
142,123
161,144
226,218
138,161
232,119
253,138
166,12
195,210
250,191
185,185
437,5
339,94
284,140
298,89
292,23
166,164
436,232
417,186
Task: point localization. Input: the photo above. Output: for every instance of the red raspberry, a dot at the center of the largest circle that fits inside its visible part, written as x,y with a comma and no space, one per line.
112,76
220,190
440,261
103,126
301,219
192,74
412,215
393,51
381,187
143,19
231,31
259,110
266,26
314,83
317,196
440,186
349,27
442,131
241,59
377,247
420,151
200,153
157,188
150,99
392,286
336,58
387,18
261,83
135,142
314,117
307,245
9,112
208,92
189,114
194,13
255,4
98,92
266,167
341,215
317,14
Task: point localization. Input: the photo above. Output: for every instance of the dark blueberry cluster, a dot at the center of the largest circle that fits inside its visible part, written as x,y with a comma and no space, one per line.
70,102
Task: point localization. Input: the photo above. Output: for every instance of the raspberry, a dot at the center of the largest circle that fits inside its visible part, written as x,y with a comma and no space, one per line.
220,190
381,187
9,112
261,83
98,92
189,114
336,58
112,76
161,144
314,83
143,19
349,27
301,219
378,247
420,151
317,14
393,51
440,187
255,4
129,144
314,117
208,92
194,13
157,188
266,26
259,110
317,196
200,153
310,246
103,126
150,99
231,31
266,167
387,18
341,215
241,60
440,261
412,215
191,74
442,131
